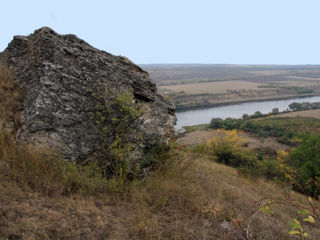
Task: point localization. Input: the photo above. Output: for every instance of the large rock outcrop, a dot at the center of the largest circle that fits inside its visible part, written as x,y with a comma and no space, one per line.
60,75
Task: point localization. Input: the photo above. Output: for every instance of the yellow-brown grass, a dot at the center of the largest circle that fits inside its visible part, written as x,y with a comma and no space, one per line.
10,98
253,142
192,199
45,172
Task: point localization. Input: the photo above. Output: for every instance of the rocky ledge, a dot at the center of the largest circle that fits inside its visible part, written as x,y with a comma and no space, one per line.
64,80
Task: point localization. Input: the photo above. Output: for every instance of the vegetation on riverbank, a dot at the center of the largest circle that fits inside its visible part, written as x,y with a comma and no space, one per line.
295,132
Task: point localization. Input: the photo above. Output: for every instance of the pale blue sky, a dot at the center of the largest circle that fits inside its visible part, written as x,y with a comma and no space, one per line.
179,31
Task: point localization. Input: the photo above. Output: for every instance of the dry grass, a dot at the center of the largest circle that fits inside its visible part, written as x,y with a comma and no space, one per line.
254,142
296,82
193,199
10,98
269,73
315,113
213,87
45,172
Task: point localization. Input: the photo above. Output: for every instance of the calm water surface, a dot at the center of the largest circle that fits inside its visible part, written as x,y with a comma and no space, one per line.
200,116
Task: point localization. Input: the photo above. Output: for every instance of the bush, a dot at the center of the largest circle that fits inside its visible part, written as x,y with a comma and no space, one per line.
275,110
257,114
216,123
116,116
228,123
270,169
227,147
306,158
295,106
292,128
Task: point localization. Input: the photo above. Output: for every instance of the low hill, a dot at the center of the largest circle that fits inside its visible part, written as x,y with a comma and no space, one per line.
191,197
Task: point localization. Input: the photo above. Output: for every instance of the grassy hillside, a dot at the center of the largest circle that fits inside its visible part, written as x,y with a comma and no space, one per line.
188,197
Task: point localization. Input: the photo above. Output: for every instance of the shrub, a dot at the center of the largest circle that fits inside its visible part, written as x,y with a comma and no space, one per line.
275,110
270,169
293,128
257,114
228,123
295,106
306,158
245,116
216,123
227,147
116,116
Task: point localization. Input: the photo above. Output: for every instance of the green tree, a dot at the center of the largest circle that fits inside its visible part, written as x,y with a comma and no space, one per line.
257,114
231,123
295,106
306,158
245,116
275,110
216,123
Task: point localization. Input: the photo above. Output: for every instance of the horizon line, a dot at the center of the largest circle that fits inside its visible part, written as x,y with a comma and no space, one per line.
247,64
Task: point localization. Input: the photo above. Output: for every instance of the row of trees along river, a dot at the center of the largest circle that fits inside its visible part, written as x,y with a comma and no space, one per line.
202,116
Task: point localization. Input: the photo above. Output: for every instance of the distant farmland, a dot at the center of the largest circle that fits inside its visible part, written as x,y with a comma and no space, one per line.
211,87
200,85
165,74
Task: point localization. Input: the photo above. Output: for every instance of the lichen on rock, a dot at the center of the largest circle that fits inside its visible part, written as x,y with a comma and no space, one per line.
60,75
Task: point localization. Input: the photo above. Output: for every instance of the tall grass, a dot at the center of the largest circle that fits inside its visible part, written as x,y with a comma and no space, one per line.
10,98
46,171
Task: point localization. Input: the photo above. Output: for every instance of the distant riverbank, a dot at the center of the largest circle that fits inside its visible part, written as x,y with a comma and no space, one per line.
204,115
233,102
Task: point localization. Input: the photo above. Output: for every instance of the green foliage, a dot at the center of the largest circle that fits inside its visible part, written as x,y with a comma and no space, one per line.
257,114
116,116
295,106
216,123
292,128
275,110
245,116
296,227
306,158
228,123
269,168
301,169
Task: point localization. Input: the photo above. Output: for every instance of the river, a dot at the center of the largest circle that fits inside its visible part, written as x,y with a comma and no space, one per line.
201,116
